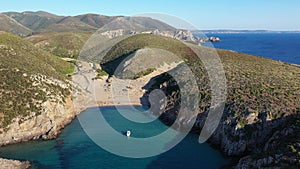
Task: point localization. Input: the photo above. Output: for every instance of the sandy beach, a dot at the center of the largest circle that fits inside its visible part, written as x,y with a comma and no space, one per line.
106,91
112,91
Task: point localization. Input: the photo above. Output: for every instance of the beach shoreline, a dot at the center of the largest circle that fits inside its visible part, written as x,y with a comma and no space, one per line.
110,93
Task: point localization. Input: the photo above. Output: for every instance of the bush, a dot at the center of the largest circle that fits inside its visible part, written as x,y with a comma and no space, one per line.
101,72
144,73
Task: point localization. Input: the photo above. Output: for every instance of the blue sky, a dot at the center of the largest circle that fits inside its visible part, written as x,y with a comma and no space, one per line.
204,14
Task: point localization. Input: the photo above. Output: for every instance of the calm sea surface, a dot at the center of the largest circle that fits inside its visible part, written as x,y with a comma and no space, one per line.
74,149
284,47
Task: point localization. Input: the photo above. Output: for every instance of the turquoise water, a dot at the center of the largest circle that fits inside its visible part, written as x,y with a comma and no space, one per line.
74,149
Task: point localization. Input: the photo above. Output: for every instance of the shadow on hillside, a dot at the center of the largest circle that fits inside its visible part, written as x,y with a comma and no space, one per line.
260,137
188,153
116,66
150,85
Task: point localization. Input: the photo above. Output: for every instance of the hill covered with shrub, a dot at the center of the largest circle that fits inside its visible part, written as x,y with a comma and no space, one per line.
29,77
262,106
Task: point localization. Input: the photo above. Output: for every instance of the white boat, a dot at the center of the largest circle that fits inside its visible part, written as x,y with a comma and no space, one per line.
128,133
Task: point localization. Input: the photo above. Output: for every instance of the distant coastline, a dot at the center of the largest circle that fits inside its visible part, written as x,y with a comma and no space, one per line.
225,31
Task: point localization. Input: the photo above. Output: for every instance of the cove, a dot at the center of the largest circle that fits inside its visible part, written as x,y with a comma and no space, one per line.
74,149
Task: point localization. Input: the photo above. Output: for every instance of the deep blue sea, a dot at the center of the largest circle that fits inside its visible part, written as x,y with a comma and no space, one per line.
278,46
73,149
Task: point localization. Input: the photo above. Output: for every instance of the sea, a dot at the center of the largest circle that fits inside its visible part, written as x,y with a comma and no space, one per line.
283,47
74,149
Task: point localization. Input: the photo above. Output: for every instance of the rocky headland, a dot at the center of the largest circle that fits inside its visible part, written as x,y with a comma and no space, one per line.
260,121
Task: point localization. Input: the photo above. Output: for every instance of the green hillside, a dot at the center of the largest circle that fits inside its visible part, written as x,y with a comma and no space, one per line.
64,44
10,25
141,41
122,49
95,20
263,98
36,21
41,21
29,77
137,24
254,83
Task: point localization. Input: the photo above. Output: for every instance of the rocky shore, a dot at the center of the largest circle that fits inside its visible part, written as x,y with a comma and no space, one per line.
258,145
56,116
230,137
47,125
56,112
260,141
14,164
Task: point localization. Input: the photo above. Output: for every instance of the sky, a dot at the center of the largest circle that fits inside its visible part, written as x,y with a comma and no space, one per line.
203,14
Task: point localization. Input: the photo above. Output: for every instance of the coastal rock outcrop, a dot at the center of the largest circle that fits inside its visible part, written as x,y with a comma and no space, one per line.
14,164
184,35
47,125
56,112
263,137
113,33
271,142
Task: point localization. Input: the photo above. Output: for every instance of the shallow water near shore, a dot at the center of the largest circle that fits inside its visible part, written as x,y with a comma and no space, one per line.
74,149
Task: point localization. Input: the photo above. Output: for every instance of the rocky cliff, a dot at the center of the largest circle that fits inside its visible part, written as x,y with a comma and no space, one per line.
184,35
261,138
261,113
56,112
260,120
34,92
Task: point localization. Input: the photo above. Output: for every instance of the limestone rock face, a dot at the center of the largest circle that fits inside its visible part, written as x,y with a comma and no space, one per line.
14,164
238,140
184,35
113,33
47,125
178,34
56,112
261,139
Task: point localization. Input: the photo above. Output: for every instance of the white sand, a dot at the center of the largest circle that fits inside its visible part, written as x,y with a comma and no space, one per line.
118,92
